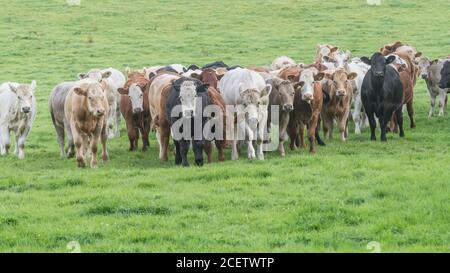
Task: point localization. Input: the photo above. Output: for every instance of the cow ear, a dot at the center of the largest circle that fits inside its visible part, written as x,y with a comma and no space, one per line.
352,76
328,59
82,76
366,60
80,91
13,88
390,59
298,85
122,91
334,49
106,74
128,70
195,76
220,76
33,85
291,78
203,88
435,61
266,91
418,54
151,75
319,76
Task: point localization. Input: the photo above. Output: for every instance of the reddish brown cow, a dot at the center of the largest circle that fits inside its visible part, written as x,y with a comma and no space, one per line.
308,101
408,96
135,109
208,76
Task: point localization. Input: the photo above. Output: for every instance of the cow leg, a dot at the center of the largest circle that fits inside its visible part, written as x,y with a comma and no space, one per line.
177,152
198,146
387,116
342,123
93,147
131,135
165,136
393,124
356,115
300,141
234,150
442,101
410,108
373,125
184,148
432,103
60,138
220,144
4,135
117,120
111,121
136,139
312,135
71,148
208,150
318,139
145,132
104,139
79,141
327,126
399,118
251,154
20,143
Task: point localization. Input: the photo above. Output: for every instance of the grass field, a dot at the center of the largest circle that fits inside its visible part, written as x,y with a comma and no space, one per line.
395,193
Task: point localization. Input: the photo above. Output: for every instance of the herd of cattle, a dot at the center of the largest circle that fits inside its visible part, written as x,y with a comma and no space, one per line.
331,91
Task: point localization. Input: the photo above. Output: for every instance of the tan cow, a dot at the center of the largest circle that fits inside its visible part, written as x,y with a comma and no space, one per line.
340,90
158,93
325,50
86,111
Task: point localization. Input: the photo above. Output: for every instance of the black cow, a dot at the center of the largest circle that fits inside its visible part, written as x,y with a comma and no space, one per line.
382,93
445,76
175,98
215,65
234,67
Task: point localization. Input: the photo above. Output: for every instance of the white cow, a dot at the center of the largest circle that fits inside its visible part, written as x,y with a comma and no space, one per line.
358,114
17,112
111,79
282,62
248,92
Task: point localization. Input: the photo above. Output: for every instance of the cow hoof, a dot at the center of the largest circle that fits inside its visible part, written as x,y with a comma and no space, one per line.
413,126
177,161
402,135
185,164
199,162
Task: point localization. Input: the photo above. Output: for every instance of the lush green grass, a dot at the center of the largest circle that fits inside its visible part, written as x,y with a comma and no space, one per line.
349,194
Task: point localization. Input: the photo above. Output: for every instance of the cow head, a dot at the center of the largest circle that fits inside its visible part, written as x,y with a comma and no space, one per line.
424,63
95,74
378,64
340,82
390,48
187,90
95,97
306,83
25,93
253,100
445,76
136,96
339,60
286,94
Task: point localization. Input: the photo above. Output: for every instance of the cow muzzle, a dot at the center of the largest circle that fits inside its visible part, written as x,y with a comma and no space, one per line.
137,110
308,97
26,109
341,93
99,112
379,74
288,107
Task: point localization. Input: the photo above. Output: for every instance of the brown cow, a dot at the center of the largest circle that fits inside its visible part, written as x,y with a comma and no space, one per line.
308,101
86,110
134,106
408,96
158,93
209,76
340,91
325,50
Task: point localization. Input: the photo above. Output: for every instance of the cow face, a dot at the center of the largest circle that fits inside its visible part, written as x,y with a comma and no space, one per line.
339,60
341,83
306,83
136,96
25,95
286,92
378,64
95,75
95,97
424,64
253,101
188,97
445,76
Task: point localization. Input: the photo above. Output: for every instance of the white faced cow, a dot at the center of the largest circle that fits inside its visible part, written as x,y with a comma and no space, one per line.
17,113
111,79
248,92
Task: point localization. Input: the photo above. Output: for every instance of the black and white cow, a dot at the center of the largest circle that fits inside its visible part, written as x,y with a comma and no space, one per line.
186,94
445,76
382,93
